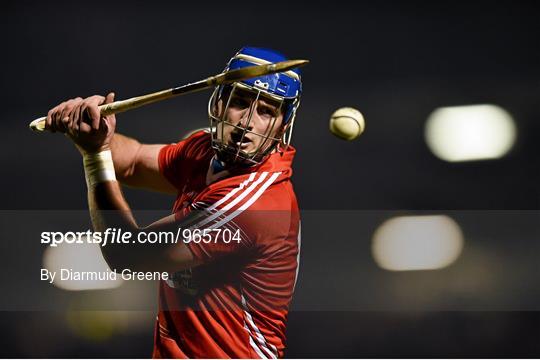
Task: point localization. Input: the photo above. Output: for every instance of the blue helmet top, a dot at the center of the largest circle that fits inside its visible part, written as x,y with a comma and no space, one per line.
287,84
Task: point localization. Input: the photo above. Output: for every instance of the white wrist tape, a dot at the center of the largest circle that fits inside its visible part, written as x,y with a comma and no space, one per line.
98,168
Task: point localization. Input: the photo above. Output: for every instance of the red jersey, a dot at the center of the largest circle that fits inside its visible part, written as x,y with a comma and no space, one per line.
235,303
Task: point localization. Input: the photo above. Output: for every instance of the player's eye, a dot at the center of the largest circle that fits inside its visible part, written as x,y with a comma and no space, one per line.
267,112
239,103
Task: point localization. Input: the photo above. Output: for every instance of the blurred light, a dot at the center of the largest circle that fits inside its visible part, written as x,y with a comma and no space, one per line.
78,258
464,133
99,326
417,243
92,325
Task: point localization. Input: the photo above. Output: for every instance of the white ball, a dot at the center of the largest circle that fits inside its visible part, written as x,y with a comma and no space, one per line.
347,123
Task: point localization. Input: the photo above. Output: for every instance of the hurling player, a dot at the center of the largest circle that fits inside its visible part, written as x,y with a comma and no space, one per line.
229,292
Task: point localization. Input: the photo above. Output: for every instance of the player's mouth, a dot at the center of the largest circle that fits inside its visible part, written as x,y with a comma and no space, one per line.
239,142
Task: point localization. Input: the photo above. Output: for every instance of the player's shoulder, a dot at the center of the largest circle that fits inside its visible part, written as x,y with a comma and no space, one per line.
197,143
192,143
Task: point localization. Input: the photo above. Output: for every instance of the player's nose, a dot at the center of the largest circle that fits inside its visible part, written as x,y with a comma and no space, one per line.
248,117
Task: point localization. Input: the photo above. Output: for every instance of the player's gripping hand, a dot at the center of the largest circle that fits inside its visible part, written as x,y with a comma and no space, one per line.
80,120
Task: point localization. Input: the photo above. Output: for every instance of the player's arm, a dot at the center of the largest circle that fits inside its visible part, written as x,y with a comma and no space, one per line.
136,164
81,121
109,209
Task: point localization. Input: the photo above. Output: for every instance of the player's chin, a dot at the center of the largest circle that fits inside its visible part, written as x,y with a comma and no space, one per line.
248,157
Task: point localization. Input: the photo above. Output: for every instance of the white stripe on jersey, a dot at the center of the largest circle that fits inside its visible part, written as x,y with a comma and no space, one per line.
232,203
234,191
299,240
253,345
249,202
260,337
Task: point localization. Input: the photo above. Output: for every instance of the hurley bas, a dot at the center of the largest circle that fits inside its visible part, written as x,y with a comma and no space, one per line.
125,274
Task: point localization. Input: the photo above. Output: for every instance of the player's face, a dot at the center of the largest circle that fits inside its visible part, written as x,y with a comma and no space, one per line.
264,124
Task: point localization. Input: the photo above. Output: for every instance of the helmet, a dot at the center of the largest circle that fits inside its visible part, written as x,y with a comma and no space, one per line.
284,89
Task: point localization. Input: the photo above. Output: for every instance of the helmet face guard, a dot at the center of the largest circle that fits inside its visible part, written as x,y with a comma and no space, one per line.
275,136
281,90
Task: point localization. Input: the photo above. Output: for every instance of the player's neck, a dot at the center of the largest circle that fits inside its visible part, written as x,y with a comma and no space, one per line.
216,170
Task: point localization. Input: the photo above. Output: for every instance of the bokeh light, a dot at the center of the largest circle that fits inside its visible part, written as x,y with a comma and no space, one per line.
417,243
85,257
465,133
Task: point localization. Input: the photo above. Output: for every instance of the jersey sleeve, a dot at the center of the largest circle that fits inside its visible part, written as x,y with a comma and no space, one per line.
176,160
170,160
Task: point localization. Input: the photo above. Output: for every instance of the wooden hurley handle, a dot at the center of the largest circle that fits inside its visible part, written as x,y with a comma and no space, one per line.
227,77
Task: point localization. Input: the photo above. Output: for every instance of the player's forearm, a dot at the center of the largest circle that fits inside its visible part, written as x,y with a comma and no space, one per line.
109,209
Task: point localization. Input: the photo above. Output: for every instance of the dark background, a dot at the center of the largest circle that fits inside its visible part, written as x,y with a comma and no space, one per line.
395,61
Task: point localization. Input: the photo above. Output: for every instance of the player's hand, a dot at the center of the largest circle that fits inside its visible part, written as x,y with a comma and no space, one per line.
82,122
